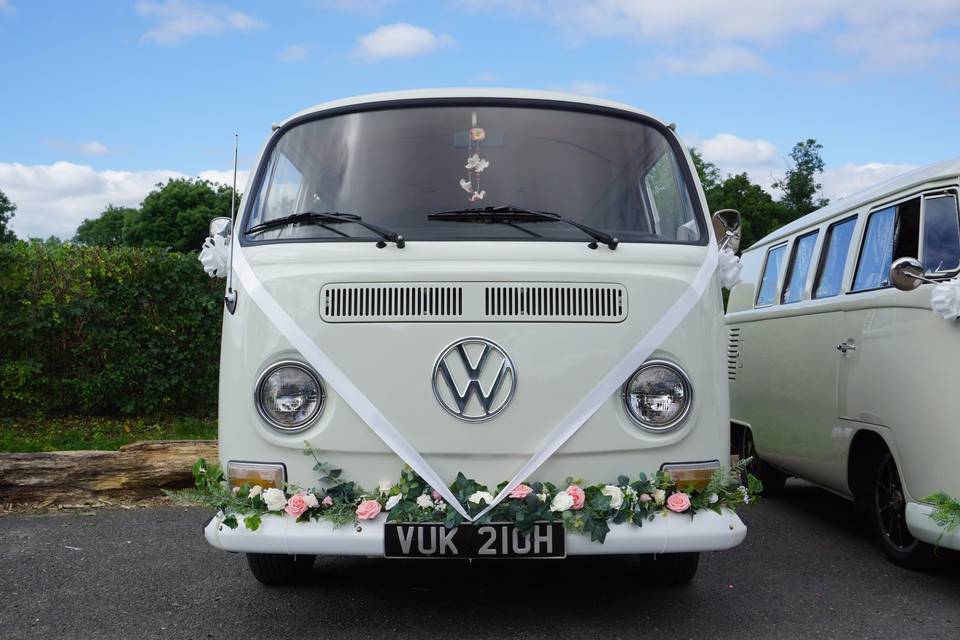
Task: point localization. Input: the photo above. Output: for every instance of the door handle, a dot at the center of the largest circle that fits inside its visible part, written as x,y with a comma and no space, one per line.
845,346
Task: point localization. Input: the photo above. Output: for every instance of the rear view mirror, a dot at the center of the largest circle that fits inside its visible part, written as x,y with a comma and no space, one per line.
726,226
906,274
220,227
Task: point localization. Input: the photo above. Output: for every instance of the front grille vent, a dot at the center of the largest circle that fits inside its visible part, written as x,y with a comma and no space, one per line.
391,302
473,302
733,353
560,302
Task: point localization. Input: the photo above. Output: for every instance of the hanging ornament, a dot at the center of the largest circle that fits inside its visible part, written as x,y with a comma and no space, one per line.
475,164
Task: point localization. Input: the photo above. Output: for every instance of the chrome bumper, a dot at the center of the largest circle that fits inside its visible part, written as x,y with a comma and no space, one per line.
673,533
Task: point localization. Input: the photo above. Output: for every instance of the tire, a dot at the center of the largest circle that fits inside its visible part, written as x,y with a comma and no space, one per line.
675,569
888,507
773,479
277,570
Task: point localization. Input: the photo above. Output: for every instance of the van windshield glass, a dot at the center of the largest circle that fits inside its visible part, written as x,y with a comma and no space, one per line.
394,167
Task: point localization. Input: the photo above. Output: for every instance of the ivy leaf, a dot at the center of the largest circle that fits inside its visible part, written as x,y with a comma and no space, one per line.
600,531
230,522
252,522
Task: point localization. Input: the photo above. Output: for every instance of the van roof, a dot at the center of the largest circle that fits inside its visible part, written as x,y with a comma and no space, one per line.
487,92
946,169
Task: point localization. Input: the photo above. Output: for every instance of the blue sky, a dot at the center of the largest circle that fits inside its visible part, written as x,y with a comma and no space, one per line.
100,100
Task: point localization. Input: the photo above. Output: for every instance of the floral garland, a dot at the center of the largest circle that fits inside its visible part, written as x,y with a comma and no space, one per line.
584,509
946,512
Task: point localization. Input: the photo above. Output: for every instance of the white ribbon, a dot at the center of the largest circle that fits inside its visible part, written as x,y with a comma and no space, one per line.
215,256
945,299
389,434
728,268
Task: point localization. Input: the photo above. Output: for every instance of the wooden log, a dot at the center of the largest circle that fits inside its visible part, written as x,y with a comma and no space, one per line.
135,472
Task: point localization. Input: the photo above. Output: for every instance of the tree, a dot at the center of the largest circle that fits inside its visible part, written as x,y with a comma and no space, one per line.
177,215
800,184
105,230
6,213
761,213
709,173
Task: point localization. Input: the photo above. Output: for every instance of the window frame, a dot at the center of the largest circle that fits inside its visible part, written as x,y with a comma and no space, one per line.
763,270
827,236
921,241
788,272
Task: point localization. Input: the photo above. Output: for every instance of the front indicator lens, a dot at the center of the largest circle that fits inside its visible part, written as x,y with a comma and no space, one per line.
692,475
265,474
289,396
658,396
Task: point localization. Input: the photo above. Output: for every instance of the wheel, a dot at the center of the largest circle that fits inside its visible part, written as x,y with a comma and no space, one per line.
773,479
278,570
675,569
888,509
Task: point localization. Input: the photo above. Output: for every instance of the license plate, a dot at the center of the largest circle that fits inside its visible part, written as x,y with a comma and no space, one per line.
496,540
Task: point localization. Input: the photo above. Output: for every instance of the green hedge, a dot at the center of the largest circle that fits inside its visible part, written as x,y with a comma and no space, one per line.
106,331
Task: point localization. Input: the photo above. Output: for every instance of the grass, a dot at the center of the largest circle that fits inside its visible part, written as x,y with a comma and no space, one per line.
22,435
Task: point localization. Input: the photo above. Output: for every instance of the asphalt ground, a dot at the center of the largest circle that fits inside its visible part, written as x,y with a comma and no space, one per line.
808,569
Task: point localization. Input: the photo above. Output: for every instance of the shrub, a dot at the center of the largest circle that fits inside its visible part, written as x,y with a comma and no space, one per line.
105,331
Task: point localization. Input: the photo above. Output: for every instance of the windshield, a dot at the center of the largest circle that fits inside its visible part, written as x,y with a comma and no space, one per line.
394,167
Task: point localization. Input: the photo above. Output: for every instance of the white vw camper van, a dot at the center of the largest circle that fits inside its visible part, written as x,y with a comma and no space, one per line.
492,321
840,373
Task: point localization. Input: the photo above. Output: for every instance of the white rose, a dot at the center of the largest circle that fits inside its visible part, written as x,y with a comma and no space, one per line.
385,486
235,490
255,490
616,495
311,501
424,502
542,497
274,499
481,496
659,496
713,498
392,501
561,502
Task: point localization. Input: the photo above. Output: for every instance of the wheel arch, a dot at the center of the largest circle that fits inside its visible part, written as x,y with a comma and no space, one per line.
866,448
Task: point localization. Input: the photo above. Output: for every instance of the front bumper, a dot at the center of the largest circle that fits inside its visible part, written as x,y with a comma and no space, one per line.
925,529
673,533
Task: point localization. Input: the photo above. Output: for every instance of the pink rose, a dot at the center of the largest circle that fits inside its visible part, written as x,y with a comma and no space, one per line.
579,497
327,501
520,492
296,505
678,502
368,510
435,495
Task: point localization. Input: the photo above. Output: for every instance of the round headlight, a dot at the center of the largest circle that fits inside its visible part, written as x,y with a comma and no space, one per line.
289,396
658,396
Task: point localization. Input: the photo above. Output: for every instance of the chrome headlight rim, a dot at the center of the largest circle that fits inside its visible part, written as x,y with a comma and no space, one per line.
681,418
300,425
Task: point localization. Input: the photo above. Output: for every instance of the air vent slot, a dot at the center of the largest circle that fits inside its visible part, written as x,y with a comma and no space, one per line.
734,343
548,302
419,302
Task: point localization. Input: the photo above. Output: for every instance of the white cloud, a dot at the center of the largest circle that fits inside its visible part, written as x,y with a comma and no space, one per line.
178,20
590,88
6,7
91,148
399,40
719,60
366,6
54,199
293,53
840,182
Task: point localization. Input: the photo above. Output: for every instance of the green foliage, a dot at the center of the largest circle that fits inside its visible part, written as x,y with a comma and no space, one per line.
6,213
800,185
946,512
71,433
99,331
174,216
107,230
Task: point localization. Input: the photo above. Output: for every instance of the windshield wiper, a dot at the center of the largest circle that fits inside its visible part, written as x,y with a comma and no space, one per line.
509,213
327,217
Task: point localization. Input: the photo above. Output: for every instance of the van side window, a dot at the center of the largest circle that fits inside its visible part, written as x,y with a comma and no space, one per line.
941,234
771,276
893,232
834,258
798,268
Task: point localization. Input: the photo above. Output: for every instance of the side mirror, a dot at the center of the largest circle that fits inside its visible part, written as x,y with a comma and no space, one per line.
906,274
726,226
220,227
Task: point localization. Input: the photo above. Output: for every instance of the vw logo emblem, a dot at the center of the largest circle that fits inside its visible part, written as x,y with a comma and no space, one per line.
474,379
